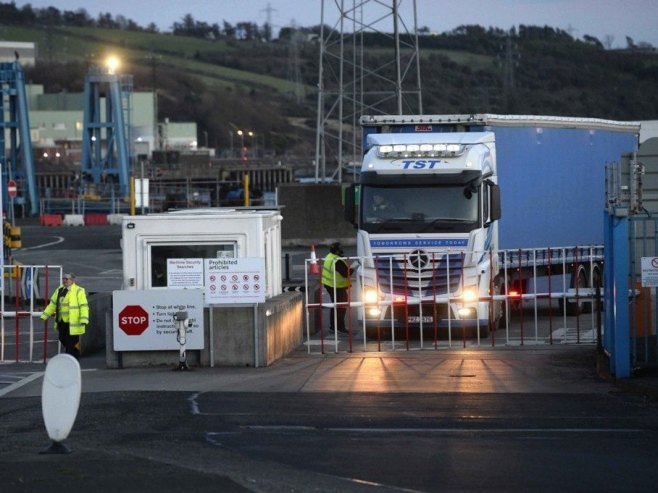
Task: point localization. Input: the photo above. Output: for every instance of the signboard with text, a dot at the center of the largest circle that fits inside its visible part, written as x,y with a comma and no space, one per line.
185,273
649,272
234,280
143,320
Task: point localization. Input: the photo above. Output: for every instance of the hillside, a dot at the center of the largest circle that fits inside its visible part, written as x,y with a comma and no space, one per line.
228,84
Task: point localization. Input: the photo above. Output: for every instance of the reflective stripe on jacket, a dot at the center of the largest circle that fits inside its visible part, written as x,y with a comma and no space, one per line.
328,269
73,309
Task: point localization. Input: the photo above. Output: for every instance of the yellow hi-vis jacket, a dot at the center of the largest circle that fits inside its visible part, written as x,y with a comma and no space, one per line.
328,272
73,309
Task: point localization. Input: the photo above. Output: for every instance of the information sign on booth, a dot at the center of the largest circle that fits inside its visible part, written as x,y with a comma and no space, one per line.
143,320
235,280
185,273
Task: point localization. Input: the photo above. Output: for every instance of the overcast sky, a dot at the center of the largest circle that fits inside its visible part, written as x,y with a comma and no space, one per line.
600,18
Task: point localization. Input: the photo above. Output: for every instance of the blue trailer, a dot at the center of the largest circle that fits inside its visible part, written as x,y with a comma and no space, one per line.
470,190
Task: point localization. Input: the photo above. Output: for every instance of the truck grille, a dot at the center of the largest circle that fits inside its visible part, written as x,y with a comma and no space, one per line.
419,274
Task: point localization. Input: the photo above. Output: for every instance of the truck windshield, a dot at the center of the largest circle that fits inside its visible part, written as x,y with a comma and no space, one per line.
451,208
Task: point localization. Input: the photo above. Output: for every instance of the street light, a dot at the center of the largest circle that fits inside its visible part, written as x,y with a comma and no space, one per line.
253,142
243,156
243,149
112,64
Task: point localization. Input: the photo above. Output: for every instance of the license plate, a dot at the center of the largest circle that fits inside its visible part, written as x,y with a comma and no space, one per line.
416,320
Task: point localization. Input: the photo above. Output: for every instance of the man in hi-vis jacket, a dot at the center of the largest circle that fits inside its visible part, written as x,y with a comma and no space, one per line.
69,306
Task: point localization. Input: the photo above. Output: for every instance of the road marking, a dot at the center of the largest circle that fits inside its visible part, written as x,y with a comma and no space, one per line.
59,239
20,383
440,430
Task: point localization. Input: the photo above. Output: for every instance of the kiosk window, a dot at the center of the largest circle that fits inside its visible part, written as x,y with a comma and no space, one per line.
160,254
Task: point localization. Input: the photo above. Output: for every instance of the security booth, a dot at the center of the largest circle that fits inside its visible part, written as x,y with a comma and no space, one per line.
223,267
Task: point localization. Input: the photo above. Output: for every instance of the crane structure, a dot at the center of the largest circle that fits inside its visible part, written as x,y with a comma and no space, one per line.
353,81
106,143
16,157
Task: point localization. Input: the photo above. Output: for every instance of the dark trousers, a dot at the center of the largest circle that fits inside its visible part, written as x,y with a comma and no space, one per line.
71,343
341,297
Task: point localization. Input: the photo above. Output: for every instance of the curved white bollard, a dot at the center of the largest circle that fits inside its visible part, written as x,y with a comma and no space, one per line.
60,399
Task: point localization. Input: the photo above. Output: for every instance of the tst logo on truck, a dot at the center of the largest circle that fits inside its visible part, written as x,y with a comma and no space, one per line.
419,163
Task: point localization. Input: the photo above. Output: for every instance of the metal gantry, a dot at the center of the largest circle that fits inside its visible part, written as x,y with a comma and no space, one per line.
353,81
106,149
16,159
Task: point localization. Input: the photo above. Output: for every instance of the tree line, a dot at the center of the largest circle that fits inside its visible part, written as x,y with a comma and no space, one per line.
27,15
473,38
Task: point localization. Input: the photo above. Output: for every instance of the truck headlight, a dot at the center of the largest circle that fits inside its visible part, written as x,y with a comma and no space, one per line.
467,313
374,312
370,295
469,294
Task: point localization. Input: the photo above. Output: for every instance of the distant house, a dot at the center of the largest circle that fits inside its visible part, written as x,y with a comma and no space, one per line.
648,130
26,53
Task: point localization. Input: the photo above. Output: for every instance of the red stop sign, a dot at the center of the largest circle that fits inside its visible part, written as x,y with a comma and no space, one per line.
133,320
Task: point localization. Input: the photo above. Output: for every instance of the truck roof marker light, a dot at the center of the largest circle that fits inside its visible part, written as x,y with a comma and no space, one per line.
420,150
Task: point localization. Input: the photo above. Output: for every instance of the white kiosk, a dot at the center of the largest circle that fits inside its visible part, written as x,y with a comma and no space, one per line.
223,267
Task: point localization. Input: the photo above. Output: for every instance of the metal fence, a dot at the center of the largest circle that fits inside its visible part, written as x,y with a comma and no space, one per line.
643,234
23,336
540,297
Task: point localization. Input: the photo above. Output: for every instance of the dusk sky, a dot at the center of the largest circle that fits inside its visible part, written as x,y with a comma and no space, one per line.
599,18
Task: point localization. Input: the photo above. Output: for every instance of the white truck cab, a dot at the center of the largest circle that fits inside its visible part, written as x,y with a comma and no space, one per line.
425,210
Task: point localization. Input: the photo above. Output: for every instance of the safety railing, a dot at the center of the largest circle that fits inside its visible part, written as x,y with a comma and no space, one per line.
25,292
534,297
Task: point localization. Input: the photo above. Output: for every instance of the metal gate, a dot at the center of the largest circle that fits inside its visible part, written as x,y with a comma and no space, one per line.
24,337
560,305
642,299
631,257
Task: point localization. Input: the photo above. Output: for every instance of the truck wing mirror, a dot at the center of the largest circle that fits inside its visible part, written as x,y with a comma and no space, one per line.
350,201
495,212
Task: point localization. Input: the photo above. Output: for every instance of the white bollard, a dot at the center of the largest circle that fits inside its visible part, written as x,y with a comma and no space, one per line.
60,399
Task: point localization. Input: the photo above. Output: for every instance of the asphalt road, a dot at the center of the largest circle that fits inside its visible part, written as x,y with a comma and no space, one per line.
600,440
93,253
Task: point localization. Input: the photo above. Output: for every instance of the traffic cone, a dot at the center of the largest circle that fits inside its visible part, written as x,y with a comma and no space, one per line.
313,265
